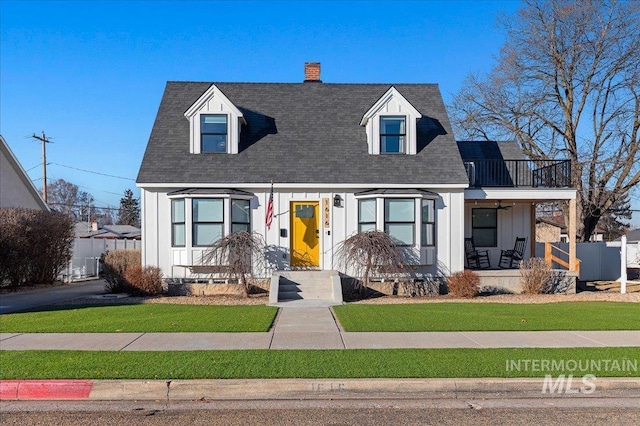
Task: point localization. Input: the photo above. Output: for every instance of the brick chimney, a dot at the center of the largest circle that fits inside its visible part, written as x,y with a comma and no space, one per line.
312,72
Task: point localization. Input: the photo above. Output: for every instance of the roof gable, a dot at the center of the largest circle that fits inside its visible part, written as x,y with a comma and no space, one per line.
16,188
213,100
391,102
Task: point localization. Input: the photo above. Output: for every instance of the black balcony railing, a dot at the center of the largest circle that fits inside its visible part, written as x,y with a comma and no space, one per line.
515,173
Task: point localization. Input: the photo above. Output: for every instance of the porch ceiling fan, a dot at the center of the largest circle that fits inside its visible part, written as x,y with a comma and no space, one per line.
501,207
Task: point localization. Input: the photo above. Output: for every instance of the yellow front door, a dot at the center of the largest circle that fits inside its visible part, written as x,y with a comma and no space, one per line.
305,233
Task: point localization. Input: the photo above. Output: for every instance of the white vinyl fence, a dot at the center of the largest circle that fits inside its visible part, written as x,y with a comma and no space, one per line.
86,255
600,261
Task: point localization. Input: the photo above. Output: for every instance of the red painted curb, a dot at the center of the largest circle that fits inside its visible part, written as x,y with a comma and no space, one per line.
45,389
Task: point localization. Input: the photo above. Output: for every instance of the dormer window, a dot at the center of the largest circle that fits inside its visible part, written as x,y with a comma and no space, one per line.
214,123
392,135
213,133
391,125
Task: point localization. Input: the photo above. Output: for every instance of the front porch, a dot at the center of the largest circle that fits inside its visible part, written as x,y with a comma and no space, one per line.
500,208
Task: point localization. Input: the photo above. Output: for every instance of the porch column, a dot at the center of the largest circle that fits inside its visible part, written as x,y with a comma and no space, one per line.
572,228
532,240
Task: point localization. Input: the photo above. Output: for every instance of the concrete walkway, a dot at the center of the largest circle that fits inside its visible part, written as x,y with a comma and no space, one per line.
314,328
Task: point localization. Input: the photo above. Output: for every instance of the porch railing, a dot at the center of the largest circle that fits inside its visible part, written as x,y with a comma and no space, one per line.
551,258
515,173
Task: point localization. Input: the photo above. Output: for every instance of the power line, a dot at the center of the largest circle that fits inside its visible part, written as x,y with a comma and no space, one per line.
84,206
91,171
37,165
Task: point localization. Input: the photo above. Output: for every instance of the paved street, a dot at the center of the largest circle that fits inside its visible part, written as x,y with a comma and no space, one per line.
480,411
20,301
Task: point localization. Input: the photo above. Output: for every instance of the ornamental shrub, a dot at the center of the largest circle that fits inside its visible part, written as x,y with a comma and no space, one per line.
35,245
463,284
145,281
114,266
537,276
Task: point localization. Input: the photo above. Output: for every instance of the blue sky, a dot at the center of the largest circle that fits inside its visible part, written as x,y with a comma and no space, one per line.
91,74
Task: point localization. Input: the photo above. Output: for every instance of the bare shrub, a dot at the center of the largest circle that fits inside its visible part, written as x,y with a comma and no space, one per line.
114,266
237,253
463,284
35,245
371,252
537,276
145,281
419,288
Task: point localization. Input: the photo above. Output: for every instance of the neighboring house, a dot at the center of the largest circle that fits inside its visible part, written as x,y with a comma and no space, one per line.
94,230
552,229
16,188
340,158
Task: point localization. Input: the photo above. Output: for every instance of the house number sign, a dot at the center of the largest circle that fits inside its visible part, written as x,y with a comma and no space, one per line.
325,212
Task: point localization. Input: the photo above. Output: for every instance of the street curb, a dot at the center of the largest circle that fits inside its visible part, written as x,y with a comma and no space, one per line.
301,389
45,389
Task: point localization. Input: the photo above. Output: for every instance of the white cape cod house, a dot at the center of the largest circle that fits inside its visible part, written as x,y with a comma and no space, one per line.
340,158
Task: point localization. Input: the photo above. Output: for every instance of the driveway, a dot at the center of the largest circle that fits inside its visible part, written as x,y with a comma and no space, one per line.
23,300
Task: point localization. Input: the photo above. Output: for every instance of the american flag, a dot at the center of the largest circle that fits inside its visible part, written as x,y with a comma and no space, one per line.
270,209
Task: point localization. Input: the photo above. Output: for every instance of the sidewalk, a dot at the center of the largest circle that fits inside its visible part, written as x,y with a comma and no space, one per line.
314,328
308,328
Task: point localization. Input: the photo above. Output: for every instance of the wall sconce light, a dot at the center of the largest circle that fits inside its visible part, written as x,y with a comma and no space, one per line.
337,201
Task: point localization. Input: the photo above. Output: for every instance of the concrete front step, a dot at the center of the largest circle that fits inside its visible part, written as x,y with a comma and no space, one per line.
305,285
303,295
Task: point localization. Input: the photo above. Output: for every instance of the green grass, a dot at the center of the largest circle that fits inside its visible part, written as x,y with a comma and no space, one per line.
490,316
383,363
151,318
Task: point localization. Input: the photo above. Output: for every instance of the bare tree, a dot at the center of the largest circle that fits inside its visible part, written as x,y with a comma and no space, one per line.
370,252
567,84
104,215
238,254
66,198
614,223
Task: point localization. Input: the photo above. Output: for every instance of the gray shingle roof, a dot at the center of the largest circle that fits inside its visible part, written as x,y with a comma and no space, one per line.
301,133
490,150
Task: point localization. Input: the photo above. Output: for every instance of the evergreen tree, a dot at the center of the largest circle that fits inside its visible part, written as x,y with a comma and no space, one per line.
129,213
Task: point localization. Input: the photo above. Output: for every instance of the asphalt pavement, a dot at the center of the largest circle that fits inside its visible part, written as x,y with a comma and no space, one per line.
24,300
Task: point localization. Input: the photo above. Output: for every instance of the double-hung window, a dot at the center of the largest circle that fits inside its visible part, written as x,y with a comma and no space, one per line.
392,135
240,216
367,215
208,220
213,133
484,227
177,223
428,229
399,219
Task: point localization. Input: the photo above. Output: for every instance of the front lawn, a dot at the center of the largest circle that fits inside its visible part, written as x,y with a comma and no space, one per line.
150,318
272,364
490,316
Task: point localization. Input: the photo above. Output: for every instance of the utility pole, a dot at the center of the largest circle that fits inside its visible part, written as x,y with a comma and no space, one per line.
44,141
